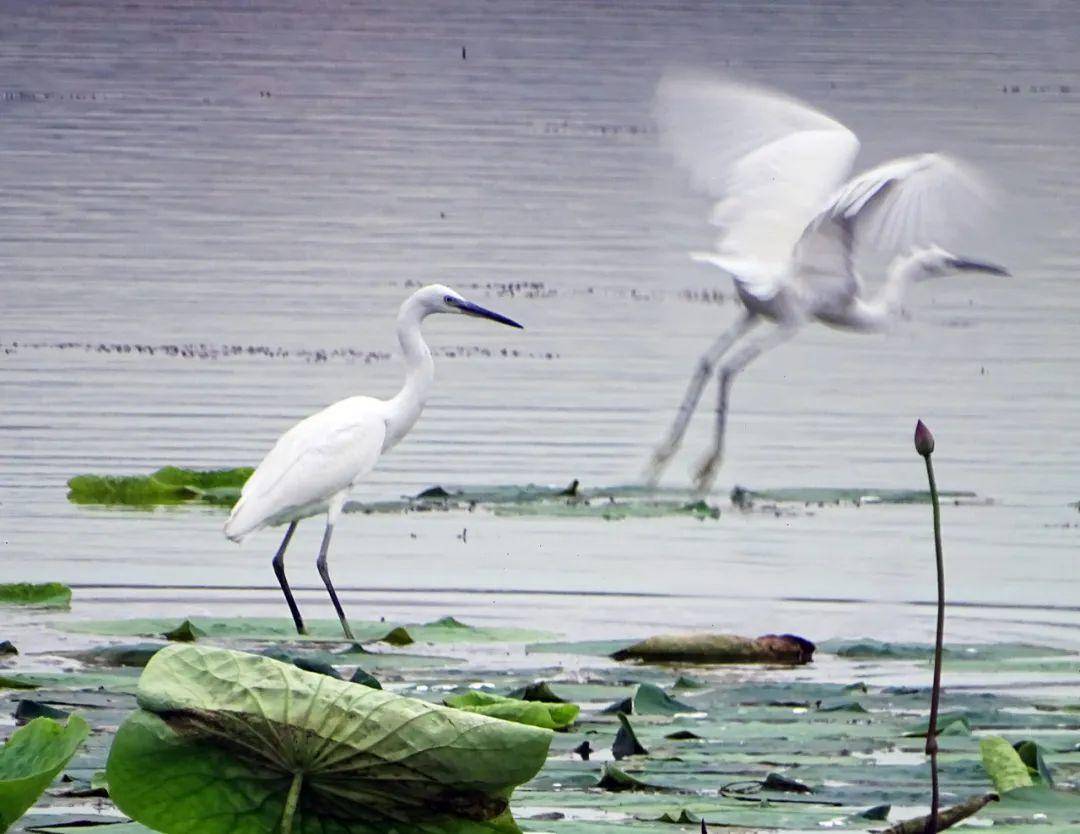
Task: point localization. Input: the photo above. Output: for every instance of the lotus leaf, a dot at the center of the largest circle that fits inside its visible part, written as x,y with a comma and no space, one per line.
535,713
649,699
233,743
168,485
1003,765
30,760
43,595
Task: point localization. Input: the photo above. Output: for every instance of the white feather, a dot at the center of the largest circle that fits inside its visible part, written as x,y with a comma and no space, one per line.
770,162
319,457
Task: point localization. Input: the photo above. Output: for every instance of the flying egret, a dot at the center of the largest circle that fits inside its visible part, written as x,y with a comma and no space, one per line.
791,227
314,464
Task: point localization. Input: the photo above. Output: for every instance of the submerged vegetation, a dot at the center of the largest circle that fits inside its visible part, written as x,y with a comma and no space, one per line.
173,485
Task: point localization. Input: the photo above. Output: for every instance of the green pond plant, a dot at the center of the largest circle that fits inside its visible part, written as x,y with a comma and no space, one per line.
31,759
226,742
38,595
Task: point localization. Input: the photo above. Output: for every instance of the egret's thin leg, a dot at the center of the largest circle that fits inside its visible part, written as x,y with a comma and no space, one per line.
666,450
279,570
324,569
706,472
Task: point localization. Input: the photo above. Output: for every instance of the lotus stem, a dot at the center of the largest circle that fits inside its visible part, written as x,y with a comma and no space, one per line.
291,801
924,445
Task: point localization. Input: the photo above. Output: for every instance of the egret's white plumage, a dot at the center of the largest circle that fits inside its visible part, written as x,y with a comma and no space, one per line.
792,225
313,466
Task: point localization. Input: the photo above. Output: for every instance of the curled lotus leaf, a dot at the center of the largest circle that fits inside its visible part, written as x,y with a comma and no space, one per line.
232,743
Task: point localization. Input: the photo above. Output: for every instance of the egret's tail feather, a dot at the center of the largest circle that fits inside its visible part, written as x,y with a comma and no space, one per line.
237,526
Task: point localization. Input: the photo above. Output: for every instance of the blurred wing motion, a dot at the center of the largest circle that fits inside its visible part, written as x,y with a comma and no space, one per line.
318,457
777,169
912,201
769,161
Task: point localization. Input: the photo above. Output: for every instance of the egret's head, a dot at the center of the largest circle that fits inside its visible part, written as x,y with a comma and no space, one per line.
936,262
437,298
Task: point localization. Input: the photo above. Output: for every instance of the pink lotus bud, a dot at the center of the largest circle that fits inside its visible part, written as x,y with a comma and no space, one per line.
924,441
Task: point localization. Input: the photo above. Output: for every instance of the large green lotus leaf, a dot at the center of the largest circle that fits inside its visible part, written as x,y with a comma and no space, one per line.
1003,765
536,713
228,743
30,760
443,631
42,595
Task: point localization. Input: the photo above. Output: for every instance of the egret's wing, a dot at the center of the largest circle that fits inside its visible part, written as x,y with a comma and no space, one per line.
905,202
315,459
770,162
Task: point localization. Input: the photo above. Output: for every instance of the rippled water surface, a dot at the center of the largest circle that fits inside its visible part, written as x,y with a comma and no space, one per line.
203,182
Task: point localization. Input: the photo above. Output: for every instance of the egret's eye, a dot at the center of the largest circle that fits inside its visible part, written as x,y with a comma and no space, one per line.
449,299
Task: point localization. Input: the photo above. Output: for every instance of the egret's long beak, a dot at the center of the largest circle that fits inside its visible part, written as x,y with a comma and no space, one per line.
470,309
968,265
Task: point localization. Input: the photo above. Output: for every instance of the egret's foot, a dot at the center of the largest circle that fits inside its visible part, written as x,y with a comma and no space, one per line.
705,474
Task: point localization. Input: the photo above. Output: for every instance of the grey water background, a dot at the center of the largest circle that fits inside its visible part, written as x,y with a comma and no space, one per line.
282,175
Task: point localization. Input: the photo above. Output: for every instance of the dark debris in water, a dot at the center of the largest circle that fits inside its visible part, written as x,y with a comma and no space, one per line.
214,351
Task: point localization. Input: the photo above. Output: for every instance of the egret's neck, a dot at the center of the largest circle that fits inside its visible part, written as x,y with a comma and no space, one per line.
405,408
880,311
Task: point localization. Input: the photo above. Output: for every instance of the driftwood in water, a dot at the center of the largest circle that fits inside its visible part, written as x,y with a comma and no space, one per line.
947,818
720,648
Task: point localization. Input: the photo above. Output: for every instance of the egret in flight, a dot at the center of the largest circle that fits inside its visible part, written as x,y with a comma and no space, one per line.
314,464
792,225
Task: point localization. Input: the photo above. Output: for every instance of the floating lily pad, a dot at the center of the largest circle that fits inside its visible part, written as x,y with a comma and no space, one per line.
40,595
230,742
444,631
168,485
133,654
649,699
31,759
626,741
537,691
365,679
186,632
536,713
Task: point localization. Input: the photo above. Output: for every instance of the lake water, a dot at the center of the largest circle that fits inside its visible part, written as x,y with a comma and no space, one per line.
282,178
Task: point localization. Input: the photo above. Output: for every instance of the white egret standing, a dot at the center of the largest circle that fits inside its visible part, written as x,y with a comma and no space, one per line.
792,227
314,464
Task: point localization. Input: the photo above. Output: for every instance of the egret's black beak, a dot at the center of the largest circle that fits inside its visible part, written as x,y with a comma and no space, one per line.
470,309
968,265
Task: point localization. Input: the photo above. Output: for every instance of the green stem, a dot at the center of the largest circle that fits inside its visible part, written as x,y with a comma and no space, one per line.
291,802
935,692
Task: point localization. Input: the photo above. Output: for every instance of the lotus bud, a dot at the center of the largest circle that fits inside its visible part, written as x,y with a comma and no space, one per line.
924,441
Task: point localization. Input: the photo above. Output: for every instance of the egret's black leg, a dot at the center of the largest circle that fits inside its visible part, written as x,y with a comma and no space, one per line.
324,572
279,569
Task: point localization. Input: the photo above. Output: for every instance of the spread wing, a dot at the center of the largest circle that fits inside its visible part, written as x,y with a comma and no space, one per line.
314,460
770,162
911,201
